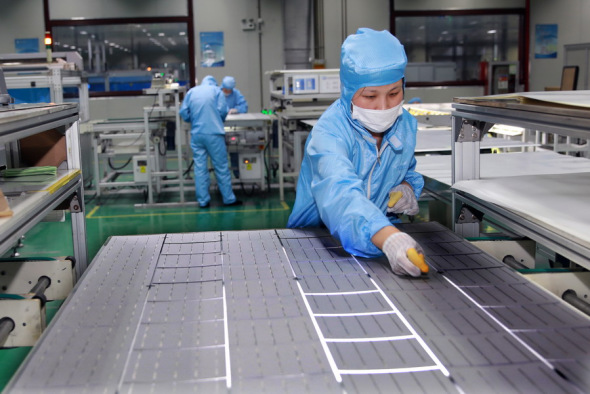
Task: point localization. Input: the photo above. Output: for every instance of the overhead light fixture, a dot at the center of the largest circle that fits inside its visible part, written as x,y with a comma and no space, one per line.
161,34
491,31
182,33
83,32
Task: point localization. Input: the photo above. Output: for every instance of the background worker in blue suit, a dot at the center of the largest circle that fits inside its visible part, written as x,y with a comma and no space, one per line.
205,109
236,102
360,150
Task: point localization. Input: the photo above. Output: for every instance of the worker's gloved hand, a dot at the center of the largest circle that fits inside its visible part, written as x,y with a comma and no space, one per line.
406,204
396,248
232,111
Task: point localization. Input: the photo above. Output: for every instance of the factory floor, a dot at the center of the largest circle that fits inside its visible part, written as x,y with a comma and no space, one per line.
118,215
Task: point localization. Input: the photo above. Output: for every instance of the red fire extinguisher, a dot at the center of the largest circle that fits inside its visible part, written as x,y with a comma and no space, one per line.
483,76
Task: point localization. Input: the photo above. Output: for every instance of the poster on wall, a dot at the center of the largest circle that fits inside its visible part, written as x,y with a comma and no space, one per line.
26,45
545,41
212,49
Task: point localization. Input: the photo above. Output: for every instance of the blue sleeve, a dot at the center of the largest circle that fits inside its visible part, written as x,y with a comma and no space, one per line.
415,179
340,196
241,103
221,105
185,110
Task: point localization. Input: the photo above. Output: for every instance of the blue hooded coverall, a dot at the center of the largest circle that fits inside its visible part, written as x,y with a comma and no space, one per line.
204,107
344,181
235,99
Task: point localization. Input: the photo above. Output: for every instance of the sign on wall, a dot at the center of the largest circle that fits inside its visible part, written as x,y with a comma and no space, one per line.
545,41
26,45
212,49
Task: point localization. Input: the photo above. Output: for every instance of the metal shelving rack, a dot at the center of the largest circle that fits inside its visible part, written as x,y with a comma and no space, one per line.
471,119
31,201
164,110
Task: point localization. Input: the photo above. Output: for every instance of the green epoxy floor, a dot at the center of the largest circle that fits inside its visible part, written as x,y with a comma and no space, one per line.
117,215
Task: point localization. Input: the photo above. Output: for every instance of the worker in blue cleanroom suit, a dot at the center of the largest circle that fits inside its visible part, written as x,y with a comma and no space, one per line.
361,150
205,109
236,102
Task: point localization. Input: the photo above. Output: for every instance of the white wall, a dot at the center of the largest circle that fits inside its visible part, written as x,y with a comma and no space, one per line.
344,17
571,17
21,19
248,54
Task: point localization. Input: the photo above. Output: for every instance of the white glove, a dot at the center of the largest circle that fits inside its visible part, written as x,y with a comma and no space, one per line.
232,111
395,248
407,203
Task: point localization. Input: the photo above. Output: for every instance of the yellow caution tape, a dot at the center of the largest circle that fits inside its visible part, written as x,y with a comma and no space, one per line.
63,181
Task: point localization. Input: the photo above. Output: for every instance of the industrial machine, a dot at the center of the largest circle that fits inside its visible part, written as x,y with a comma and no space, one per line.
251,166
31,79
140,164
247,137
297,96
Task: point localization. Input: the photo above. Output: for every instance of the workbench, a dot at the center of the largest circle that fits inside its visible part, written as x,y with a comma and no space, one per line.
286,310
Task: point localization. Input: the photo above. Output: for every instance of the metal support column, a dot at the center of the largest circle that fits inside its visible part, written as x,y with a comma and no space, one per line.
467,135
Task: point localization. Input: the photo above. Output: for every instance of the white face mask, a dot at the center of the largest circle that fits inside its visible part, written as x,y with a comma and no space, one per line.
377,120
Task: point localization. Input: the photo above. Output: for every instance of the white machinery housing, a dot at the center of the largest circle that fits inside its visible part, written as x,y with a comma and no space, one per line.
140,163
251,165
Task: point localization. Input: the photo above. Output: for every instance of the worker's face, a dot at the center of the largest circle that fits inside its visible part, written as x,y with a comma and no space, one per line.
226,91
379,97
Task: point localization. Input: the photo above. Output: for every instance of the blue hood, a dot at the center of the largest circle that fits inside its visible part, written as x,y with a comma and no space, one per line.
370,58
209,80
228,83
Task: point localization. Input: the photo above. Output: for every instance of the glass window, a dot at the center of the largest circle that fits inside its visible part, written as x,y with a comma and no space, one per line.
451,47
125,57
